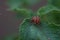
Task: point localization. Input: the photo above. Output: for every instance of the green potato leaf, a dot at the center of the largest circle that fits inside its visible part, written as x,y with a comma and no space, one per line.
23,13
43,31
54,17
30,31
50,18
50,14
51,31
45,9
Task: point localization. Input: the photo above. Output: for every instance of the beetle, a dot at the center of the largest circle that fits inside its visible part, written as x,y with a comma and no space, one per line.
36,19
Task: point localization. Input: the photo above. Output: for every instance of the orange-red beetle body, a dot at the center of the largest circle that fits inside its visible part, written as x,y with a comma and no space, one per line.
36,19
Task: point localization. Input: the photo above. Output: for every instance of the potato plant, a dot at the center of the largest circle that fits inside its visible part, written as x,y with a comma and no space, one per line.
44,24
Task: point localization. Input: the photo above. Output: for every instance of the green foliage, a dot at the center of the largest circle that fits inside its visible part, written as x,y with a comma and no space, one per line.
50,14
51,31
54,15
47,29
50,18
45,9
30,31
55,3
23,13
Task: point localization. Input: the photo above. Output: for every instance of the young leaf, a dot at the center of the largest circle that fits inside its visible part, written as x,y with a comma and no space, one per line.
55,3
45,9
50,21
23,13
50,14
54,17
30,31
52,31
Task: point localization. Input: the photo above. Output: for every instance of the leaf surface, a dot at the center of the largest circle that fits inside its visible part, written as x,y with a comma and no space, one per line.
50,14
23,13
50,17
29,31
